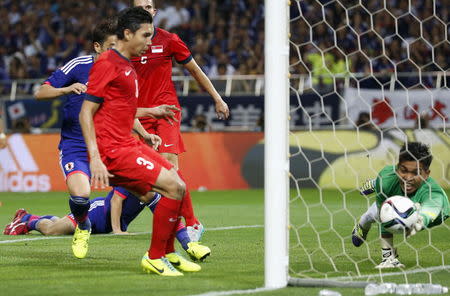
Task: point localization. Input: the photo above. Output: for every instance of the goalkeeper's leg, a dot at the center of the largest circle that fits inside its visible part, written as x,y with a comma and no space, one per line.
389,256
361,229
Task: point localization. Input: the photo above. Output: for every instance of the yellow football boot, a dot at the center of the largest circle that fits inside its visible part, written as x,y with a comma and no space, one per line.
182,264
160,266
80,242
197,251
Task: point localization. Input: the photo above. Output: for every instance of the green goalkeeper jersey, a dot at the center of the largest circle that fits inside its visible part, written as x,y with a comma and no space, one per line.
432,198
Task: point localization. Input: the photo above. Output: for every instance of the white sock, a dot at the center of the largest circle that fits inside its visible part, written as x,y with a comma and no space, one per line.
370,216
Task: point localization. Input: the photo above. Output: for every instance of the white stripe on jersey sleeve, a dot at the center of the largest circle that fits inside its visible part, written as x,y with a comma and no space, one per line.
83,59
76,64
97,203
77,59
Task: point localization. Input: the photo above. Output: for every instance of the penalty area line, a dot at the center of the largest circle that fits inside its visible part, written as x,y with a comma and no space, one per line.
112,234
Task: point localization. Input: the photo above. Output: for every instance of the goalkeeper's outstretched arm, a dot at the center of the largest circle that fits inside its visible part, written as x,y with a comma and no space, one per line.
368,187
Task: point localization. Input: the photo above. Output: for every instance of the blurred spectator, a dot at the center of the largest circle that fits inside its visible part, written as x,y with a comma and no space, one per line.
200,123
423,121
21,126
364,122
174,15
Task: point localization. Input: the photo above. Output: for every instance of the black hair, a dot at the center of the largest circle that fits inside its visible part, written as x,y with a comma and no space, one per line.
131,19
416,151
103,30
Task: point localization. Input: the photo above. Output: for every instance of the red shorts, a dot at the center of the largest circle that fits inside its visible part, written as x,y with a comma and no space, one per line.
169,134
135,168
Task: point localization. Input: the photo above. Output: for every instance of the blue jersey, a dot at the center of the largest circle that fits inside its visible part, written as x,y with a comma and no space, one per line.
77,70
100,211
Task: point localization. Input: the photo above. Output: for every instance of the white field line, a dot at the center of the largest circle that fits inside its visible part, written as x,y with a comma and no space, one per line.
232,292
111,234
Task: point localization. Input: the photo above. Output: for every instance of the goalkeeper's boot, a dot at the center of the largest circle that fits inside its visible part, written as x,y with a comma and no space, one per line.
160,266
389,259
195,232
80,242
197,251
359,235
182,264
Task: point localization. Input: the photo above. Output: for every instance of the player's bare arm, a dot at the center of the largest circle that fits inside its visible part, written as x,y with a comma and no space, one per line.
48,92
99,174
2,135
116,211
222,110
151,139
159,112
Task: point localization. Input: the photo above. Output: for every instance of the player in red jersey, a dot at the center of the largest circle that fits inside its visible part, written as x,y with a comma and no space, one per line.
107,117
154,69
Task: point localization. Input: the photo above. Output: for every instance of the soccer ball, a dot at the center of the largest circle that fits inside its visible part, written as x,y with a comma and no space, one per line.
398,213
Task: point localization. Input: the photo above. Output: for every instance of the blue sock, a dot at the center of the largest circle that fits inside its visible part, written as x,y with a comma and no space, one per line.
153,202
49,217
183,238
33,223
80,208
25,218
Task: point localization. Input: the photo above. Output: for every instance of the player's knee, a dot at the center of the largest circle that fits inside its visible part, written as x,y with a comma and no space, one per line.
47,230
181,189
177,189
81,192
50,231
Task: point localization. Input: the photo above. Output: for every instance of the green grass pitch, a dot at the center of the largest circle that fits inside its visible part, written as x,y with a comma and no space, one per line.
47,267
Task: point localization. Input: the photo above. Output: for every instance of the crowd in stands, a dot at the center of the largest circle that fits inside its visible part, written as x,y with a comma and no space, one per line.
337,37
227,36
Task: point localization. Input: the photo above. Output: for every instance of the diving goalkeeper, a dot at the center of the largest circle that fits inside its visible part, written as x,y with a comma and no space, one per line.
411,178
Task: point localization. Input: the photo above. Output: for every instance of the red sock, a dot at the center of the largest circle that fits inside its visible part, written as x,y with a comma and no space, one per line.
170,246
165,218
180,225
187,211
33,217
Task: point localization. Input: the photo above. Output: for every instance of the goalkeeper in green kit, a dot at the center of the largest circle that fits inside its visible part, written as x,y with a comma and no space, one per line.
411,178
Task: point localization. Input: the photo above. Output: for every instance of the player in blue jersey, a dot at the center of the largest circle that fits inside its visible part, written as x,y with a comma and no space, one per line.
70,80
99,215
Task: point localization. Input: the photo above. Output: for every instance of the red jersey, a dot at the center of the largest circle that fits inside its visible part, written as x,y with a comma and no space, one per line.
154,69
113,83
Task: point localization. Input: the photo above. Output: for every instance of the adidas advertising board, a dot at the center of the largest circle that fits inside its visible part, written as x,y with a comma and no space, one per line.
19,171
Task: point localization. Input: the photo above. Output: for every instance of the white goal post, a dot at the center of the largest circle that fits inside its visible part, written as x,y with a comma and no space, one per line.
276,161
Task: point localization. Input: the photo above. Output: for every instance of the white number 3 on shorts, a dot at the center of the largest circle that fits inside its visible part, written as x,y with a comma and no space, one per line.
148,164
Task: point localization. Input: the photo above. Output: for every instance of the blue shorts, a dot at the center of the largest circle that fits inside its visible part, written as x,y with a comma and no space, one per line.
99,216
74,162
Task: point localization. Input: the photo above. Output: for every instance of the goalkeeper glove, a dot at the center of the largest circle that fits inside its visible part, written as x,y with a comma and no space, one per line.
368,187
416,227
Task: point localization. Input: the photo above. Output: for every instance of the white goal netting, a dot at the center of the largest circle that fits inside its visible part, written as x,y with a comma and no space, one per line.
366,75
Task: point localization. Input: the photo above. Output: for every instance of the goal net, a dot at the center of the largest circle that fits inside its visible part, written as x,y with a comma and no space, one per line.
367,76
